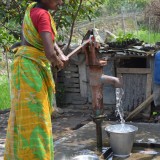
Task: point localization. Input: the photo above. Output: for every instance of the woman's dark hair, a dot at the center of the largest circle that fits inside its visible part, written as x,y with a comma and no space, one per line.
38,1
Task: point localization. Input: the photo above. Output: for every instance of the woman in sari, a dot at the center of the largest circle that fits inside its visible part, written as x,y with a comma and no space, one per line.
29,133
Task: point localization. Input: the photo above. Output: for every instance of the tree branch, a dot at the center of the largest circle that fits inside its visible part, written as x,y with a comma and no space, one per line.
71,32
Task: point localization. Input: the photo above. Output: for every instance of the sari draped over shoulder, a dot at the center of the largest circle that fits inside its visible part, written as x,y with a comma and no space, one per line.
29,133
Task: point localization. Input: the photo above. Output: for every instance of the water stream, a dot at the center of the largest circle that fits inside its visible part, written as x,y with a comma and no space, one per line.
119,109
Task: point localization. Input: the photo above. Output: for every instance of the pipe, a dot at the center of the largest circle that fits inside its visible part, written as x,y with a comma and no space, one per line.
99,133
116,82
95,73
98,121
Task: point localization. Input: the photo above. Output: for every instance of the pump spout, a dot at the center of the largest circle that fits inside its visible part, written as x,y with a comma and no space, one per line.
116,82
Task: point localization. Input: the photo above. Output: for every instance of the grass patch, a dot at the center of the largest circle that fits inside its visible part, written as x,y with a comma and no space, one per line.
148,37
4,93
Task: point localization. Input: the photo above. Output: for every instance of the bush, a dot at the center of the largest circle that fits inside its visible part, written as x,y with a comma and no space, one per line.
5,93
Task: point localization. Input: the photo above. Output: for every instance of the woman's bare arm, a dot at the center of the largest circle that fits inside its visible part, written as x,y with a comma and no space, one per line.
60,53
50,51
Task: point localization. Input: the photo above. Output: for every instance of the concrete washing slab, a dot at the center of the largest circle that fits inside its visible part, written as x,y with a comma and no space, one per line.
147,142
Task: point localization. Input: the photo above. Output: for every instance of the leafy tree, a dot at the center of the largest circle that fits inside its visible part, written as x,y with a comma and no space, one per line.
5,39
153,15
12,13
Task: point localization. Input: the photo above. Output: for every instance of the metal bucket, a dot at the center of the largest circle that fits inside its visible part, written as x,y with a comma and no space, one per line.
121,138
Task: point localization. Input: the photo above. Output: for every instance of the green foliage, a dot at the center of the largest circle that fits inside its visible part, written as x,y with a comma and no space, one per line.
124,37
148,37
13,12
11,15
6,39
5,93
118,6
67,14
142,35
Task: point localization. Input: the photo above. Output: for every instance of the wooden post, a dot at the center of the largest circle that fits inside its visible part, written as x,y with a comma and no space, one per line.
123,23
140,107
135,23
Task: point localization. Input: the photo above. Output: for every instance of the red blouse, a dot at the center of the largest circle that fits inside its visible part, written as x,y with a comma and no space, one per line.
41,20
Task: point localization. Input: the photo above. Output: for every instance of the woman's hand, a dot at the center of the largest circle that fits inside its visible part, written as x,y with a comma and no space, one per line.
58,64
61,55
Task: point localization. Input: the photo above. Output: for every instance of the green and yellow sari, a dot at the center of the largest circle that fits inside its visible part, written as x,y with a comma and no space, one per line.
29,134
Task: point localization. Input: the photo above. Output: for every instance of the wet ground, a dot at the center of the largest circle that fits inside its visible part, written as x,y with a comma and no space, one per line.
62,125
82,141
68,124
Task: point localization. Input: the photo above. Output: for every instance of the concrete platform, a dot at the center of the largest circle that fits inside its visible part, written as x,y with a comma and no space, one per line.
146,146
147,139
